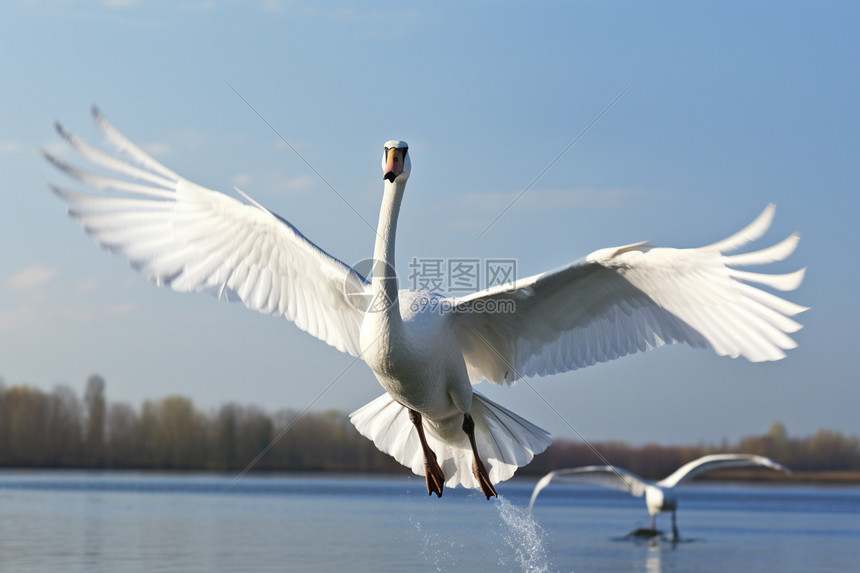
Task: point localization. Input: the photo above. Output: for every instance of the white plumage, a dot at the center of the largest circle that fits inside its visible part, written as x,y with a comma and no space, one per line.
191,238
660,496
425,349
506,439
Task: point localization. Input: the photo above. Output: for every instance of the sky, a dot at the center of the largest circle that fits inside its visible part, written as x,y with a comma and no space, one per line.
730,106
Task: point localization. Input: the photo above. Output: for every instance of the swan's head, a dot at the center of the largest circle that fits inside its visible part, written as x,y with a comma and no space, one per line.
395,161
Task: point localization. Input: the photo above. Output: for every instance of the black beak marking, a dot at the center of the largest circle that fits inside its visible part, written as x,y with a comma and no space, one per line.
389,176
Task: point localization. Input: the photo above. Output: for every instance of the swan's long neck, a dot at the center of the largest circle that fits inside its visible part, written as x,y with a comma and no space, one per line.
384,280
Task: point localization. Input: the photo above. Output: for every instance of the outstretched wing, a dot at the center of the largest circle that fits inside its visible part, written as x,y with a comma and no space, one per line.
717,462
603,476
631,299
191,238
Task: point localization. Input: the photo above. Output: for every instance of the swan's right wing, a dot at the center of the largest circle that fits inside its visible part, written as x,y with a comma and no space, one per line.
717,462
191,238
602,476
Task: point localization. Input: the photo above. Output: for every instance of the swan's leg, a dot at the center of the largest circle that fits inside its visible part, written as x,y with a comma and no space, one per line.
477,465
653,522
432,471
674,527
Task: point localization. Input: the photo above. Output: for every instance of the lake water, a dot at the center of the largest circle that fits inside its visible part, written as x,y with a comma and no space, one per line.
52,521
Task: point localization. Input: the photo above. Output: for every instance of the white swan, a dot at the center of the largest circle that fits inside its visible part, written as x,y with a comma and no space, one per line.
659,496
425,349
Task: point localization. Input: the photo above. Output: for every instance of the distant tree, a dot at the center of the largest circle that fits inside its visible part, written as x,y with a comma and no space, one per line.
65,423
94,397
24,414
180,434
831,450
777,432
225,451
256,432
124,446
239,433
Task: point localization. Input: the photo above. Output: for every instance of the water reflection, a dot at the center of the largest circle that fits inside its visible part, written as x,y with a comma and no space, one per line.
653,561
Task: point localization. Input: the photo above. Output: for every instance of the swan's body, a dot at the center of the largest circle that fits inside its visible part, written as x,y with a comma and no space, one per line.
427,350
659,496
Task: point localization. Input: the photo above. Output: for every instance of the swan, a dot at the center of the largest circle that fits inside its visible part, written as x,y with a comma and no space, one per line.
426,350
660,496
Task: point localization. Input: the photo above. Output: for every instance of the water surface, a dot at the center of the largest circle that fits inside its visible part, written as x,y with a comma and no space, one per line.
66,521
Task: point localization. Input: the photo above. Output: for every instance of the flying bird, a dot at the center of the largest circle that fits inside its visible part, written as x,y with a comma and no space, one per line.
660,496
428,350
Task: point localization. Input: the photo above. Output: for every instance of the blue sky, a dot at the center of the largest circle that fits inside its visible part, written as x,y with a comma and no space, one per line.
733,106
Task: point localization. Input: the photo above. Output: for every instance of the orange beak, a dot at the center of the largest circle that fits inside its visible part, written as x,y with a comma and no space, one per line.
393,164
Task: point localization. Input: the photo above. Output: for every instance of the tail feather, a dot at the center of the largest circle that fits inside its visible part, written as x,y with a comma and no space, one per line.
505,440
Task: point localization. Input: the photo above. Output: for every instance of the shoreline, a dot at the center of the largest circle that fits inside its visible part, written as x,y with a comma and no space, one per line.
824,477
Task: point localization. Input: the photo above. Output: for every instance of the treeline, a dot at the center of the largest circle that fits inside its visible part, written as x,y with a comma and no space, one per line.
824,451
59,429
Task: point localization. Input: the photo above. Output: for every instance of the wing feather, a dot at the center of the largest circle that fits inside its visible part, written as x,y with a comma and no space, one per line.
191,238
629,299
603,476
716,462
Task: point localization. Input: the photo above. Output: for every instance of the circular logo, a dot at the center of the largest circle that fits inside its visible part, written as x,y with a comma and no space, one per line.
360,293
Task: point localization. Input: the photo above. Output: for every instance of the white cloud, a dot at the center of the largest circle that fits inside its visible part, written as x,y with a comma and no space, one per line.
31,278
10,147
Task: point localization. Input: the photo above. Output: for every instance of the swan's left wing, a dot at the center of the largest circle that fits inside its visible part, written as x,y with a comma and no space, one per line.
603,476
717,462
191,238
630,299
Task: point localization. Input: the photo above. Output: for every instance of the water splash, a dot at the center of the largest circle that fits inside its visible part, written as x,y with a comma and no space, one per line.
442,553
524,536
449,539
